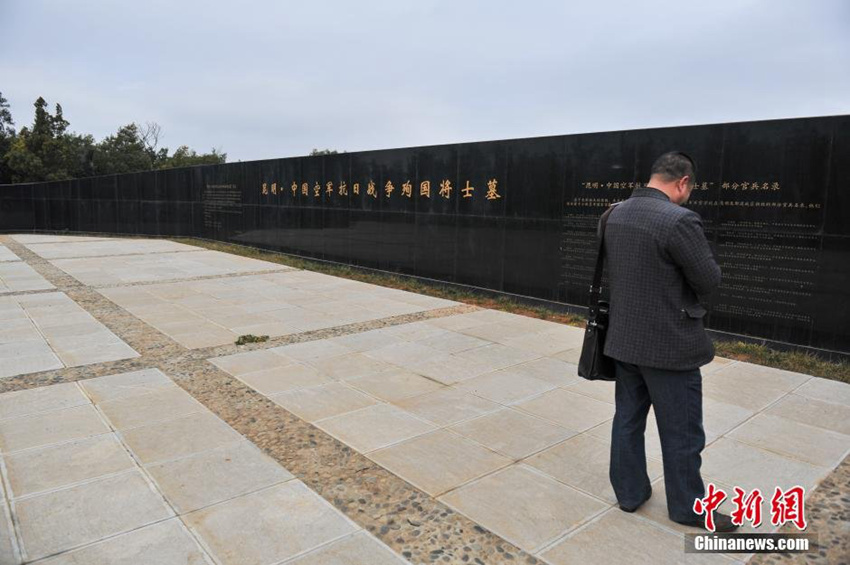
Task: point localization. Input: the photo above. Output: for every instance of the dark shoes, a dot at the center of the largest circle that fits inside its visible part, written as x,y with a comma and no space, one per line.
722,523
633,508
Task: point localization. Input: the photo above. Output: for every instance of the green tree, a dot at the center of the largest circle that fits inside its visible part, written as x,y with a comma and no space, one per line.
7,138
316,152
41,153
185,157
123,152
47,151
78,154
135,147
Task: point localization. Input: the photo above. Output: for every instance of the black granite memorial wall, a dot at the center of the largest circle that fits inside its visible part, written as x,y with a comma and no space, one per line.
515,216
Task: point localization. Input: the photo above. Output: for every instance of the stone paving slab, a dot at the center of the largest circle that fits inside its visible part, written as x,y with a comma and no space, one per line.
44,399
105,247
7,255
528,435
165,542
51,331
155,267
252,529
31,356
524,506
90,492
49,428
217,311
63,519
26,238
813,412
31,471
351,550
200,480
17,276
582,461
617,538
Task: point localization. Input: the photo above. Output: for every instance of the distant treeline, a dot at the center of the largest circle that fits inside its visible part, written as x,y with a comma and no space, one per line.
47,151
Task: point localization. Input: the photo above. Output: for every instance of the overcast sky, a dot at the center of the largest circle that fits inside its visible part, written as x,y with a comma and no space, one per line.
261,79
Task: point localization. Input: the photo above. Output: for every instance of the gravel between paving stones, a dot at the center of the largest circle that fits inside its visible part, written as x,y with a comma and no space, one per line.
828,516
411,522
415,525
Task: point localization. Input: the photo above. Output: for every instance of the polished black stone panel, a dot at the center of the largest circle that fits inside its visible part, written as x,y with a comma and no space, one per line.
86,206
59,215
266,216
179,185
285,236
336,208
335,187
364,238
397,180
437,167
365,178
127,187
103,188
310,240
128,217
482,179
516,215
53,191
829,305
18,214
837,204
336,236
480,251
396,241
251,185
223,201
599,159
531,265
435,250
290,182
39,191
147,186
312,174
106,216
152,217
538,169
41,212
178,219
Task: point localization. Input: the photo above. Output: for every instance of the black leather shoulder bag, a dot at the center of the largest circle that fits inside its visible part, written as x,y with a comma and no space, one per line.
593,365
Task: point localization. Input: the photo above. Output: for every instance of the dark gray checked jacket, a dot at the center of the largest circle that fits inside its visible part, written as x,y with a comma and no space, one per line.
660,271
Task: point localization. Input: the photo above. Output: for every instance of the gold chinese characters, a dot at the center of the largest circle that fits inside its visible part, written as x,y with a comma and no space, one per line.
705,185
445,189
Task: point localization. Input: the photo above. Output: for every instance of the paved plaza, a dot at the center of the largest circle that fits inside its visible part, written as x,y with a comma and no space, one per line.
375,426
17,276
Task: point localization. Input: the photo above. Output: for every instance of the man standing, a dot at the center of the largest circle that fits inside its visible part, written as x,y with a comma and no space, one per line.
661,271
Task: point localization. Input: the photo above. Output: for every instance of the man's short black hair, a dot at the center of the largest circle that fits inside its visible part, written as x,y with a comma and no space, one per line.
674,165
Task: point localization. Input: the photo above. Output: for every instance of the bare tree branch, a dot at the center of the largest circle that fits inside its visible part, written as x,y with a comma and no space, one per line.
149,134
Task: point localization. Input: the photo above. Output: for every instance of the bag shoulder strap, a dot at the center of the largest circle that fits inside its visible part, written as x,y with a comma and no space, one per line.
596,285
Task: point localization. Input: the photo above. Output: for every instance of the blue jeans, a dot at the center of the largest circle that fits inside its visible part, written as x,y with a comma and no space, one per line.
677,398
